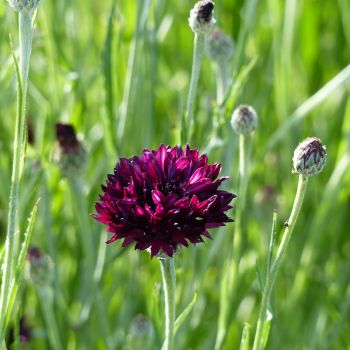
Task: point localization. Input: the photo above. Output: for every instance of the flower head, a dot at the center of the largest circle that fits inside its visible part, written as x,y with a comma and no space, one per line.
70,154
220,46
163,200
309,157
201,17
244,120
24,5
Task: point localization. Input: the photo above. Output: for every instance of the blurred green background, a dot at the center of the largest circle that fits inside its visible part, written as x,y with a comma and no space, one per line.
96,62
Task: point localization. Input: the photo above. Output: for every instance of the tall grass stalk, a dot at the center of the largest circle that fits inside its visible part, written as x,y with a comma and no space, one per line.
12,236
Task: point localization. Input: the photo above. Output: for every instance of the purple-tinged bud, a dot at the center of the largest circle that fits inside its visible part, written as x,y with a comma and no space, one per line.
220,47
39,268
25,333
244,120
309,157
26,6
201,18
70,154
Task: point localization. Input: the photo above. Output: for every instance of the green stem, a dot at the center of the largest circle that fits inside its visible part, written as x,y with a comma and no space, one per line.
232,270
12,237
88,285
169,285
198,53
46,299
271,275
221,82
242,195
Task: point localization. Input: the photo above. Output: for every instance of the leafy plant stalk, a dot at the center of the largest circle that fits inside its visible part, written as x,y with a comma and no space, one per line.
169,285
272,273
12,235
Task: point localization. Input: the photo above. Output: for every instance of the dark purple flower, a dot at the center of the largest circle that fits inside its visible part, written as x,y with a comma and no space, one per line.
164,199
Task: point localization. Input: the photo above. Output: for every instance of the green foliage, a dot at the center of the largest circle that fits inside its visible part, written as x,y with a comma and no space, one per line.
94,62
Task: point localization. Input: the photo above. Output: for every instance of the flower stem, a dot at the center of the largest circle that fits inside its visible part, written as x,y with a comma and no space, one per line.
198,53
231,271
222,81
243,187
12,236
271,275
46,299
169,285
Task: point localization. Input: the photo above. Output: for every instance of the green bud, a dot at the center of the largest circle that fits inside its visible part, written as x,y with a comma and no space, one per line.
309,157
24,5
220,47
70,155
244,120
201,18
40,270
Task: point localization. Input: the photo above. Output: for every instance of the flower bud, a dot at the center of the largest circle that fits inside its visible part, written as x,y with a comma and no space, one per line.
141,333
40,268
26,6
244,120
309,157
220,47
70,154
201,17
25,333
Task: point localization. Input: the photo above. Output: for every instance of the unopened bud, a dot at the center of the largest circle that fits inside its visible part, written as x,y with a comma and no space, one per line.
25,333
244,120
220,47
141,333
309,157
26,6
40,268
70,154
201,17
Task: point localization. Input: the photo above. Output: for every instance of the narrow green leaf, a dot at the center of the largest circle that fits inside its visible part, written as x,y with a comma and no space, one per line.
107,60
272,241
185,313
22,257
245,337
267,326
304,109
260,277
236,86
2,252
19,107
